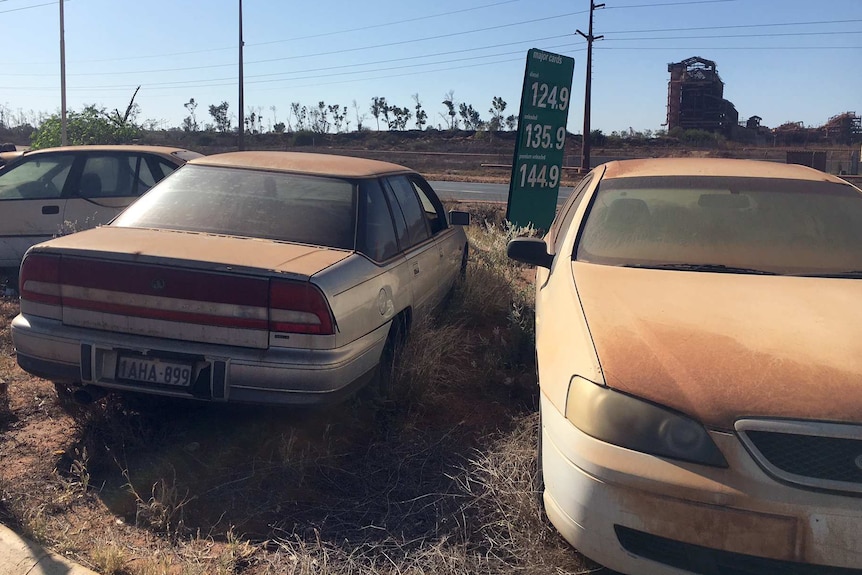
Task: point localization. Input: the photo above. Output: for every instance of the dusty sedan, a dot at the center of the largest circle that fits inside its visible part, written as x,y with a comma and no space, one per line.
49,192
699,343
261,277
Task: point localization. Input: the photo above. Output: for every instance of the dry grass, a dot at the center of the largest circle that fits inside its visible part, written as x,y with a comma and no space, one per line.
437,481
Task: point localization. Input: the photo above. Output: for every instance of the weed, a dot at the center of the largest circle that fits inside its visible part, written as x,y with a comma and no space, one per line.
109,558
163,510
76,481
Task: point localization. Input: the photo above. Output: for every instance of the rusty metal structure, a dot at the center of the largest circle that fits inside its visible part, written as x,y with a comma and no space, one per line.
695,98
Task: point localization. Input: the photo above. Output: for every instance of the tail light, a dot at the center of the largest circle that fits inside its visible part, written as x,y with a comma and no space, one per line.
40,279
298,307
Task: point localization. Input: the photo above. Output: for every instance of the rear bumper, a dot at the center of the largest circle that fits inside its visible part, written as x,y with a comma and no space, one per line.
644,515
49,349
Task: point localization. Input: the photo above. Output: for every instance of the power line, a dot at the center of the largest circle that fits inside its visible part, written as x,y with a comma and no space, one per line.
736,48
688,28
373,26
780,34
29,7
331,52
669,4
351,65
231,81
208,50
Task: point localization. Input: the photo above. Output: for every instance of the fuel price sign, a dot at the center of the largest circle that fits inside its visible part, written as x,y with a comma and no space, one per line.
538,159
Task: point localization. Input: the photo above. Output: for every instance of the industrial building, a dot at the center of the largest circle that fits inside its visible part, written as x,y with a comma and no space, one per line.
695,98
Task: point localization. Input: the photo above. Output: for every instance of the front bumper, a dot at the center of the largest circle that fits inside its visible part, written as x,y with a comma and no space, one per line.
644,515
49,349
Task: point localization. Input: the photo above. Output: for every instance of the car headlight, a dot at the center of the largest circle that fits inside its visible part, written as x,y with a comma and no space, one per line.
636,424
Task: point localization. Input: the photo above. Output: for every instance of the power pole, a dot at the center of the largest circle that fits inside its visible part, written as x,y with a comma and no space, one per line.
585,149
63,138
241,142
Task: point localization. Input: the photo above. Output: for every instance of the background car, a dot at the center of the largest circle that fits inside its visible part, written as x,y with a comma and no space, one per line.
44,193
699,344
257,277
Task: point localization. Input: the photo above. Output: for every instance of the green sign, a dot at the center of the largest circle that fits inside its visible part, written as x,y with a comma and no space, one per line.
538,159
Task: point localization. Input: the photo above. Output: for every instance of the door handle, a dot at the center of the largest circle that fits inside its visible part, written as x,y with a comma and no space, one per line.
415,269
50,210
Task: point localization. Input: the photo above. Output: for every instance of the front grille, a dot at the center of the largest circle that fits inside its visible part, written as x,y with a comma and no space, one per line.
830,458
707,561
814,454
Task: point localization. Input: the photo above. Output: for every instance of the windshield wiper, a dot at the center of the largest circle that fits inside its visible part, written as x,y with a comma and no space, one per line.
715,268
850,274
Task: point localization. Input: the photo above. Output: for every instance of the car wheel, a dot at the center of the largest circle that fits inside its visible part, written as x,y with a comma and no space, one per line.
462,273
384,375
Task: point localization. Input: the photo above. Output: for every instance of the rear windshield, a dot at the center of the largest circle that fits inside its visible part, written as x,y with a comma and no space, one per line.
251,203
774,225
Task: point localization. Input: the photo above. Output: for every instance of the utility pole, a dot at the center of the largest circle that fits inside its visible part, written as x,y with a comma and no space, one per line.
63,139
241,143
585,149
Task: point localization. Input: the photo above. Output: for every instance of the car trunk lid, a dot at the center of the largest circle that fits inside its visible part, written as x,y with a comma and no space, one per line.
176,285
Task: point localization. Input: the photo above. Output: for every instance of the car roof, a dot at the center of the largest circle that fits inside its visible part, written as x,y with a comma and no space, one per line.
714,167
304,163
167,150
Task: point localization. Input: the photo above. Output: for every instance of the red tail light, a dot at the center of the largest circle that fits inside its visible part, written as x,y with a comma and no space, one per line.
40,279
298,307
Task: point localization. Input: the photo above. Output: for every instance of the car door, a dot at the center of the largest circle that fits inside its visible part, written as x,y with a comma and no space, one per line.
31,202
108,182
415,240
449,240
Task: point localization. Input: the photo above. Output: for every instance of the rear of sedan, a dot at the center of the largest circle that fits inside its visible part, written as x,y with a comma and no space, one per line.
236,279
698,335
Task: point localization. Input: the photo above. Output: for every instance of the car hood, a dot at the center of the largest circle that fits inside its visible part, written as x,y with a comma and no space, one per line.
719,347
207,250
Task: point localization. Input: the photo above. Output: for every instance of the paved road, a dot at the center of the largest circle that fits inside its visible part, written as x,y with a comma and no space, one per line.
481,192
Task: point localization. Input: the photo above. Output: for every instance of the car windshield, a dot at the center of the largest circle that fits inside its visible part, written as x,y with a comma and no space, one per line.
250,203
732,224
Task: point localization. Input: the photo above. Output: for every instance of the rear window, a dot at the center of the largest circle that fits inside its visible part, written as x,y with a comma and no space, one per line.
773,225
250,203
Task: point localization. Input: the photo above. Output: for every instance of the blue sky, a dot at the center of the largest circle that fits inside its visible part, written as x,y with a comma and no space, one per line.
783,60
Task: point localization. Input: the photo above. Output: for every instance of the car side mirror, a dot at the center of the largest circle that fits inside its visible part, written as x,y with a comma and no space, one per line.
457,218
533,251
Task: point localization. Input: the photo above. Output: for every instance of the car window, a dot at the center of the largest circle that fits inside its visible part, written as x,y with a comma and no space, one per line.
162,168
105,176
378,238
312,210
774,225
398,216
142,174
434,213
38,177
558,230
414,215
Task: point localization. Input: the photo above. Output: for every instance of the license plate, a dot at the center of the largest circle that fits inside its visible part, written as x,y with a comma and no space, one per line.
156,371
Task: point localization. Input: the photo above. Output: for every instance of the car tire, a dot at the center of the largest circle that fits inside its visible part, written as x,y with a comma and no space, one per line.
465,256
384,376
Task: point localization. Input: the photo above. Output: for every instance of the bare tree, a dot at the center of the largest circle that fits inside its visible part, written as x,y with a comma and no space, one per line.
360,118
421,116
190,122
449,102
378,107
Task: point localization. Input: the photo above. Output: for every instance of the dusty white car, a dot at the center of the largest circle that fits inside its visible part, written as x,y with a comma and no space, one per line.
699,344
54,191
257,277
